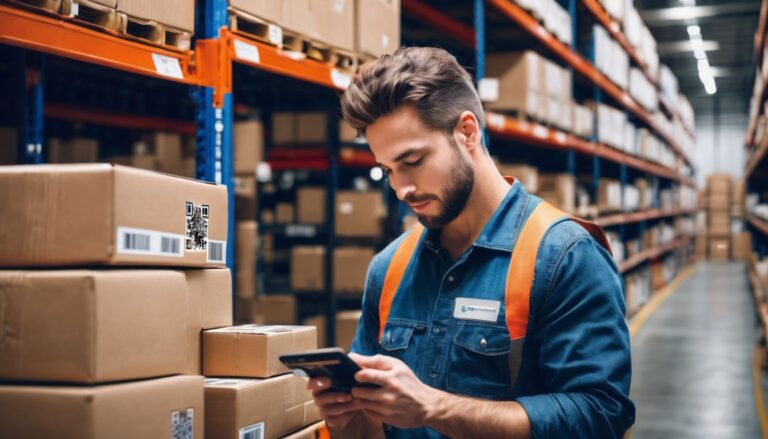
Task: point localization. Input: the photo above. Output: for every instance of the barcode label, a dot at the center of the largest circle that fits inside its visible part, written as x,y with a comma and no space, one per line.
182,424
217,251
148,242
255,431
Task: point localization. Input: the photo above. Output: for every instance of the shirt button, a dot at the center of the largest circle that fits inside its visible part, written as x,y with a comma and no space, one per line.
432,375
451,278
483,343
436,330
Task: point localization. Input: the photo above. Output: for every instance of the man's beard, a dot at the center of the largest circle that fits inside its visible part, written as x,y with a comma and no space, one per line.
454,199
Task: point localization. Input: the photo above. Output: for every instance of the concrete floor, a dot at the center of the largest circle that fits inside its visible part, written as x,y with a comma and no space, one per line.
692,360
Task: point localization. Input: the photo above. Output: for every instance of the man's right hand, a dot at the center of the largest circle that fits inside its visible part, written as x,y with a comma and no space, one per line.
340,410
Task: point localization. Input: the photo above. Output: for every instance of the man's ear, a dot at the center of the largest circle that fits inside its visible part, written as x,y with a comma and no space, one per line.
469,129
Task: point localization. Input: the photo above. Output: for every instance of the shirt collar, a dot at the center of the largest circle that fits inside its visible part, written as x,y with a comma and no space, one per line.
500,230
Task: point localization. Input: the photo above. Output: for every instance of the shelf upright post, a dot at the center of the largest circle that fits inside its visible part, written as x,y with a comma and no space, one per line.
571,154
214,152
332,184
480,56
31,77
623,180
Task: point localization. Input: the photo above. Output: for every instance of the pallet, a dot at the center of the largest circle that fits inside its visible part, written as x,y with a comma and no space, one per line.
257,28
157,33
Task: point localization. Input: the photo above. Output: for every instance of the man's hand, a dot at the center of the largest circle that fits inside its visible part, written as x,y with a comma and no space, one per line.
402,401
338,409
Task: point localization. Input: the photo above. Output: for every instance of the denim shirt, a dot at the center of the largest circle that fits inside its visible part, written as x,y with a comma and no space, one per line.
574,363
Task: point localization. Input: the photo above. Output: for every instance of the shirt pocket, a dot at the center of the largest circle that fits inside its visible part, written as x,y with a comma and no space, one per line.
397,337
479,362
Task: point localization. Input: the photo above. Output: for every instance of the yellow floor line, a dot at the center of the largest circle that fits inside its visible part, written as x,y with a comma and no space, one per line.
759,399
658,299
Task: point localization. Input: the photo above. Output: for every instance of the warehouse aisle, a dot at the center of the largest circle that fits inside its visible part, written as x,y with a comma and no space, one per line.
692,360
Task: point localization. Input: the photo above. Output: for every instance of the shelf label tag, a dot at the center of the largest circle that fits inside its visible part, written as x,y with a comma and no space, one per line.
275,35
540,131
167,66
496,120
488,89
340,79
247,52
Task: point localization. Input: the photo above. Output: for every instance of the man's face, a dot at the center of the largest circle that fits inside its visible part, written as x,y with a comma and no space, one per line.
426,169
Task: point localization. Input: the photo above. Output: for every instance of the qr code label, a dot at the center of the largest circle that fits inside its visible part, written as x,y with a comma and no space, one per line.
196,232
255,431
182,424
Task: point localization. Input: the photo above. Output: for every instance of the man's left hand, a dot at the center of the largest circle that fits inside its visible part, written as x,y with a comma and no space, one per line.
402,401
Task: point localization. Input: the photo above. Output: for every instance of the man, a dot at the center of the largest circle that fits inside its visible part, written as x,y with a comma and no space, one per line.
499,317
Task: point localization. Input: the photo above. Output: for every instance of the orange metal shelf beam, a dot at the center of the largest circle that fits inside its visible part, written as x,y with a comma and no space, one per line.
538,135
653,253
759,224
59,111
759,102
248,51
65,38
317,158
634,217
581,66
427,14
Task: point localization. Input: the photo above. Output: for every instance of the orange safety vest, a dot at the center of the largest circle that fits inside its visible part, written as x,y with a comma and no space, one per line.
519,279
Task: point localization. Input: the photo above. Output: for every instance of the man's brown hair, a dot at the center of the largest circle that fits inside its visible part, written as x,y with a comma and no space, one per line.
428,78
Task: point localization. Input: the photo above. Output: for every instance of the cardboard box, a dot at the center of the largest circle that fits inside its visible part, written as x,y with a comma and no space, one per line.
719,184
9,146
284,128
311,205
518,76
335,22
77,150
346,328
719,249
719,203
245,259
298,16
144,161
350,266
252,351
179,14
269,10
359,214
307,268
312,128
742,246
270,407
249,146
738,192
314,431
275,309
85,326
558,190
377,27
167,152
164,407
285,213
347,134
246,199
527,175
103,214
609,195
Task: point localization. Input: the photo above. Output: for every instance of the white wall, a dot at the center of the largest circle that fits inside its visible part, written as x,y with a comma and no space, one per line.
720,145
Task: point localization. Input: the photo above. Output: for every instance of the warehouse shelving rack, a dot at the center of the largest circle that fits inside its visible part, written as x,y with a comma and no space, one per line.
207,69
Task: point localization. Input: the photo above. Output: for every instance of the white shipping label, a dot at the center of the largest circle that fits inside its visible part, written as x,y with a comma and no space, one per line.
476,309
255,431
149,242
182,424
340,80
275,35
217,251
167,66
248,52
496,120
488,89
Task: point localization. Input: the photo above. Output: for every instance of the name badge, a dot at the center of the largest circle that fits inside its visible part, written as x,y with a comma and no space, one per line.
476,309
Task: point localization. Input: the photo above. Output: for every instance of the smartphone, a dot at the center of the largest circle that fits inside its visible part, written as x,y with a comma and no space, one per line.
330,362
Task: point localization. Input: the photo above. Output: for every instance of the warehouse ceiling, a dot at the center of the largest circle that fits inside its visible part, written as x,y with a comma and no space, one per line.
727,28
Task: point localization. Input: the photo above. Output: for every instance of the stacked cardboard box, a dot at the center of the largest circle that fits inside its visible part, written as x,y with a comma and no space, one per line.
558,190
249,152
719,216
76,150
247,359
359,214
178,15
161,151
528,176
738,198
377,27
91,331
304,128
346,328
350,265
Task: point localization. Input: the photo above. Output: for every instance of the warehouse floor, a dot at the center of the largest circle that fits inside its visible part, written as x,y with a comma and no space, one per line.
692,360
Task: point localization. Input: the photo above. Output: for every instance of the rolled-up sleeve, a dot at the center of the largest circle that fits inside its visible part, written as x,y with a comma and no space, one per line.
583,349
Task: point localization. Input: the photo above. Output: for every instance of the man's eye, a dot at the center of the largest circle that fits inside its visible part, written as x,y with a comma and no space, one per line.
414,163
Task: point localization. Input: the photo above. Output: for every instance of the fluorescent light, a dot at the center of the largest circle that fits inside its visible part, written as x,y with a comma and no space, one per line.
702,62
694,30
711,88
